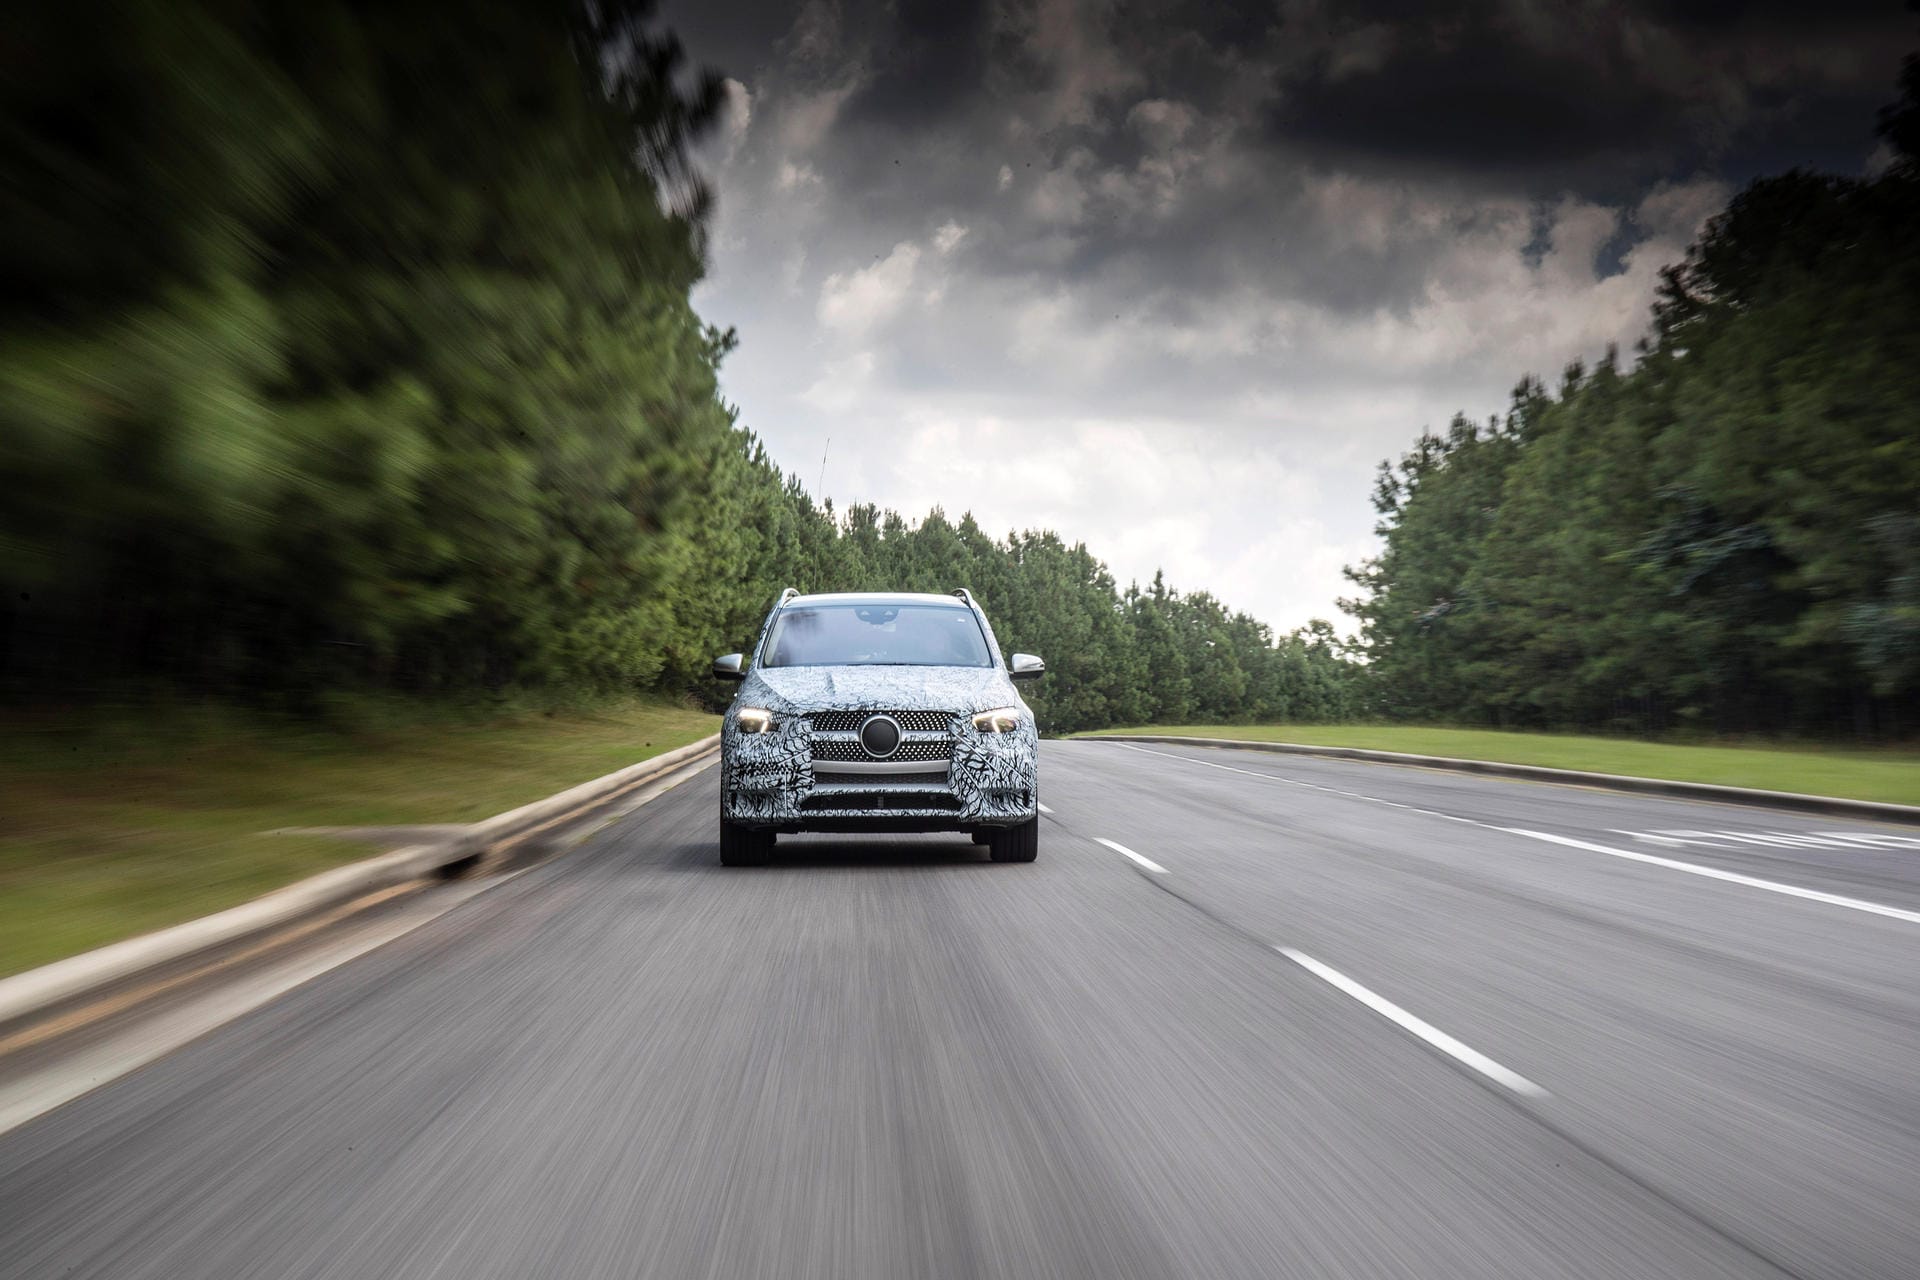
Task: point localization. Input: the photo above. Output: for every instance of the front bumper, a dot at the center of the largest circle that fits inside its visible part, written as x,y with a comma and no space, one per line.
780,780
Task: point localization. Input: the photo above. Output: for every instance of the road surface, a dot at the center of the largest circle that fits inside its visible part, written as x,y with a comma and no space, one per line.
1247,1016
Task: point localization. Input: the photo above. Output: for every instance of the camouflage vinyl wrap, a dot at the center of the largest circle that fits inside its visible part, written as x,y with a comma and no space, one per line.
990,779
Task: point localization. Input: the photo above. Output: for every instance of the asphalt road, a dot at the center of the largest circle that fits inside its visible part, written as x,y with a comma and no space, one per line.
1365,1021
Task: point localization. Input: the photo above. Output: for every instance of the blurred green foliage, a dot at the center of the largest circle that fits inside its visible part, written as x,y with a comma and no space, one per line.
347,350
1726,535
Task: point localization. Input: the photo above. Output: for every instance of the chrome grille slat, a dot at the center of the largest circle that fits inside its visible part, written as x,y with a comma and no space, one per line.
910,721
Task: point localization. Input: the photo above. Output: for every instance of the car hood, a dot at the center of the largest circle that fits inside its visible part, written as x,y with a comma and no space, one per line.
798,690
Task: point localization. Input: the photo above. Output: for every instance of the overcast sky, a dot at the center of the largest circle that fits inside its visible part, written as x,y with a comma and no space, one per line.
1171,278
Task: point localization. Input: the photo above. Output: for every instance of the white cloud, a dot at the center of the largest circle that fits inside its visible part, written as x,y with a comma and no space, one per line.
853,302
949,236
842,384
816,31
737,109
806,118
1073,475
1675,211
1161,123
793,268
1070,38
1006,177
1060,196
795,176
1372,217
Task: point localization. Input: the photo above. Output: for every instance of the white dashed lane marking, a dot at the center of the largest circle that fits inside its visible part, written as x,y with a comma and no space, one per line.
1148,863
1433,1035
1386,1008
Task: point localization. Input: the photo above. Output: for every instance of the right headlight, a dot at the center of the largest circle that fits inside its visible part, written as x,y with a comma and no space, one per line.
999,720
755,720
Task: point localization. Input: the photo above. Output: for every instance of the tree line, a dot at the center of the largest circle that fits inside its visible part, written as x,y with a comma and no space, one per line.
1114,656
1724,534
349,349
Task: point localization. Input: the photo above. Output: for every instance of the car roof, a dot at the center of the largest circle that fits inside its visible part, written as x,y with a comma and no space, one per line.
878,597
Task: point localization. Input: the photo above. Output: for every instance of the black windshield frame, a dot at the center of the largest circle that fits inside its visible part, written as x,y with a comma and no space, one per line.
781,649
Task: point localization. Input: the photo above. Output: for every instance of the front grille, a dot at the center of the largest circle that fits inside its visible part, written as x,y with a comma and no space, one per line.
911,721
884,801
850,749
877,781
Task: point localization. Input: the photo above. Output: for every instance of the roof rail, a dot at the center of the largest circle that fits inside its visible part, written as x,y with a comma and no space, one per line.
786,595
966,595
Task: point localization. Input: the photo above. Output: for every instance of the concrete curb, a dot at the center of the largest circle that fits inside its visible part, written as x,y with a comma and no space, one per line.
25,995
1831,806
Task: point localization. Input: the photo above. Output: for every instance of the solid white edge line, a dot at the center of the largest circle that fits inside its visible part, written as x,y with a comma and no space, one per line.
1731,877
1425,1030
1148,863
1671,864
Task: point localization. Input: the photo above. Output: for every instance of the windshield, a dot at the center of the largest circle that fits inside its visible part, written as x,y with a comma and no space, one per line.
880,635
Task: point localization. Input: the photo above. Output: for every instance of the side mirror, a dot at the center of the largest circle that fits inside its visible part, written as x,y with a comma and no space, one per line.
1026,667
731,667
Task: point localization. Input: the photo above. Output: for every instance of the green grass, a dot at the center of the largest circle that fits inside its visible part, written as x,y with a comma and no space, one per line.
119,828
1887,775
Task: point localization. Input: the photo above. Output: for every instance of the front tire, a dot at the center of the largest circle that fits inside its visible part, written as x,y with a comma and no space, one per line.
744,846
1015,844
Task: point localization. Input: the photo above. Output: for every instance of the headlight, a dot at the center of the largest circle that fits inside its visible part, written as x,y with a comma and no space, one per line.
1002,720
755,720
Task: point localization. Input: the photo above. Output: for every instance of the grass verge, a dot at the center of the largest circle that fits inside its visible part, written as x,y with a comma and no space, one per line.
108,832
1891,776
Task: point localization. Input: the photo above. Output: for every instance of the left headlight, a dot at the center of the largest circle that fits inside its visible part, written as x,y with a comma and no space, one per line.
999,720
755,720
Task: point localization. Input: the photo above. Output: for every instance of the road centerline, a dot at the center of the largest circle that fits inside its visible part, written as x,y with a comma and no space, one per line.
1463,1053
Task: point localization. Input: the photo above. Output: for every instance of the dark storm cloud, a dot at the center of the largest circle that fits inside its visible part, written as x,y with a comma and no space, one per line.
1157,155
1467,101
1581,95
928,60
1477,99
